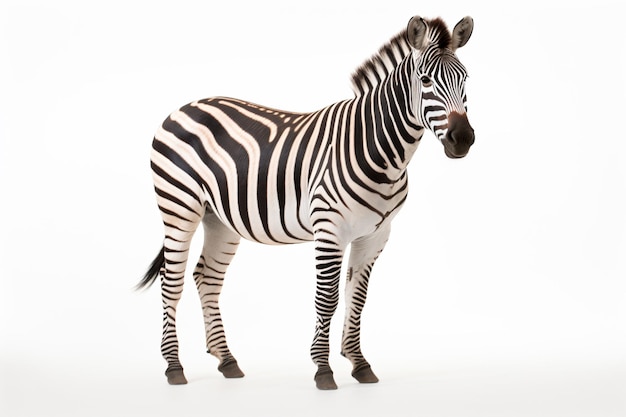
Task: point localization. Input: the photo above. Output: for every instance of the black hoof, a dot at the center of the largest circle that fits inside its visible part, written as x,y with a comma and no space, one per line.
230,369
175,375
324,378
363,374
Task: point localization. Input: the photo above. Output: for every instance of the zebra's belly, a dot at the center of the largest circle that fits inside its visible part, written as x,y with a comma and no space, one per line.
270,224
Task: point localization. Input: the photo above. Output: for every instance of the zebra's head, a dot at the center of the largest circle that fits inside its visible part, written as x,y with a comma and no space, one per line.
438,82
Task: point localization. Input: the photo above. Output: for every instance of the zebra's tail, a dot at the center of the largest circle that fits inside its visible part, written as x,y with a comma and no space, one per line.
153,271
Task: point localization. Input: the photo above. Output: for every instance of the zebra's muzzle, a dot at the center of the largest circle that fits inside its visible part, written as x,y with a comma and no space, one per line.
460,136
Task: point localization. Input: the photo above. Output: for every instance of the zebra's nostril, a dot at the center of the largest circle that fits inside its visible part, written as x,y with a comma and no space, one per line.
452,138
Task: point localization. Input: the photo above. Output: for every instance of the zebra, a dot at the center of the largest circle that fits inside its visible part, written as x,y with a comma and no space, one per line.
336,177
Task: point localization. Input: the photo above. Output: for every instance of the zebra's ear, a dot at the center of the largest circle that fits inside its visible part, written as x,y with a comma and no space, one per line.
462,32
416,32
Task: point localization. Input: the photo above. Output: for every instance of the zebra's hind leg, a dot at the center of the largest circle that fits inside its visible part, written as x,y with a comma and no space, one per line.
176,250
220,245
363,254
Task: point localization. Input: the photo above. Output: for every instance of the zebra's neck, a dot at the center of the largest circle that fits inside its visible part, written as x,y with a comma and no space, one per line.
392,131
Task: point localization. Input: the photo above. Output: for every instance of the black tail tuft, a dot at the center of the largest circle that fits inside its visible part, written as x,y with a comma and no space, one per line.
153,271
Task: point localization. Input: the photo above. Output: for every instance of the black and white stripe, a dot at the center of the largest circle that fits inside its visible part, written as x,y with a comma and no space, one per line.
336,176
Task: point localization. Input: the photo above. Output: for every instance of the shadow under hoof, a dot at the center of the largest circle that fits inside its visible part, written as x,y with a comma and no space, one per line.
364,374
230,369
175,376
324,378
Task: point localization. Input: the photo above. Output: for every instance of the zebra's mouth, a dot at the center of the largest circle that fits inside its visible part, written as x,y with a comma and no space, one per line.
454,154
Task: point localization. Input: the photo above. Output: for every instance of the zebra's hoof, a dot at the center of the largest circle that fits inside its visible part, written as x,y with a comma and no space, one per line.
364,374
324,378
230,369
175,376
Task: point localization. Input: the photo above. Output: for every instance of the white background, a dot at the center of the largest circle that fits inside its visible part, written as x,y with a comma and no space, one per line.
501,293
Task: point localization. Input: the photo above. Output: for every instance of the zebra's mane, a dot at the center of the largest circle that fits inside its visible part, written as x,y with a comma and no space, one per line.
380,65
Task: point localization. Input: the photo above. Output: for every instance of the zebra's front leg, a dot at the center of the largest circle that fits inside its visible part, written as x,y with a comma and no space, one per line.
363,254
220,246
328,258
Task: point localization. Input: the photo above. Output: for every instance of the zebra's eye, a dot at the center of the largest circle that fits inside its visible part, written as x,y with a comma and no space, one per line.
426,81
